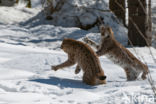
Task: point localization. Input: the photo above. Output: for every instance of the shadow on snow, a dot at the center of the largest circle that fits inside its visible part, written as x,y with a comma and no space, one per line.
64,83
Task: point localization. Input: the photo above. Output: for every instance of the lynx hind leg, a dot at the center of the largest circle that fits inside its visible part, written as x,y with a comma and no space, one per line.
131,74
88,80
78,69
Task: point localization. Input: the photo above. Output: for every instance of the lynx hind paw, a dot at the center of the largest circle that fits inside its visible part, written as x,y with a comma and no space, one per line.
102,77
77,71
143,77
54,68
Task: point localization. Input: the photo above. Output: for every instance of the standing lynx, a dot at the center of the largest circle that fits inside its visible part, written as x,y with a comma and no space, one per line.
118,54
85,58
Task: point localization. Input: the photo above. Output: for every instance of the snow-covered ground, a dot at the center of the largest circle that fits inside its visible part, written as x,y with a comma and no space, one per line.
25,77
27,53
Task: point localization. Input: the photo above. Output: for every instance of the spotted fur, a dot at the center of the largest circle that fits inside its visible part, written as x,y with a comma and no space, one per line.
119,54
86,58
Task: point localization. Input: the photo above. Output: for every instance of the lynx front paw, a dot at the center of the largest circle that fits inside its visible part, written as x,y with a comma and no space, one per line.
85,39
54,68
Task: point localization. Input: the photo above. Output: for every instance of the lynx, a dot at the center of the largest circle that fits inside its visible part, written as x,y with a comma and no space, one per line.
118,54
86,58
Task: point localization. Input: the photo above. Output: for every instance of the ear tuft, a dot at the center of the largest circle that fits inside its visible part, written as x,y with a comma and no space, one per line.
102,77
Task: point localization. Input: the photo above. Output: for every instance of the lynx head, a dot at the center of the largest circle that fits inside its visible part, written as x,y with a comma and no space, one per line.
67,45
106,32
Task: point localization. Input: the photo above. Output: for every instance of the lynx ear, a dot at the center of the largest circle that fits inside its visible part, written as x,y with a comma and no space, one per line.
102,77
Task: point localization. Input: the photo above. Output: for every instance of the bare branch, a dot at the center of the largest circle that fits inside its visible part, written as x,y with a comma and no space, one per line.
150,79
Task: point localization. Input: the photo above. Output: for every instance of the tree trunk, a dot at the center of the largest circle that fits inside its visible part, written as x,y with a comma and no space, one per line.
17,1
138,28
150,16
115,7
29,4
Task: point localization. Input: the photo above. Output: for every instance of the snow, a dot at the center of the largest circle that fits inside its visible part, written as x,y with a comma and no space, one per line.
27,78
12,15
29,47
